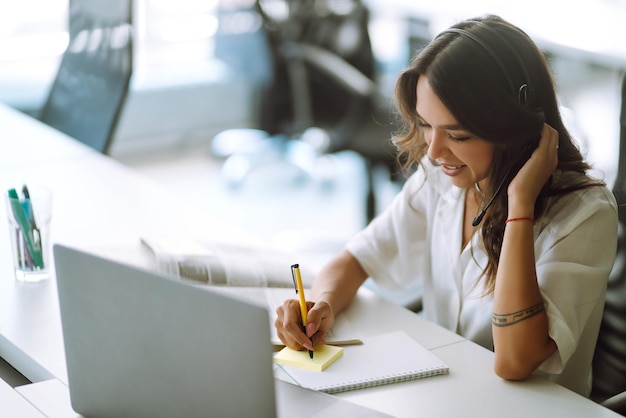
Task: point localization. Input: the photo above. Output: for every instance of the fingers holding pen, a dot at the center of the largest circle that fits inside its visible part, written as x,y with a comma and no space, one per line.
289,325
320,318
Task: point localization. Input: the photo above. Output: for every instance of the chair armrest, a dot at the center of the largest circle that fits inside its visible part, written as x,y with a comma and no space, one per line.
616,403
333,65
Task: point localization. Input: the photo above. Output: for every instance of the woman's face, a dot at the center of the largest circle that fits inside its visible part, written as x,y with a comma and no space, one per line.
462,156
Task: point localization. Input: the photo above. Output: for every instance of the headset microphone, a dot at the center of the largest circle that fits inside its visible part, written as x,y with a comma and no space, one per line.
478,219
526,153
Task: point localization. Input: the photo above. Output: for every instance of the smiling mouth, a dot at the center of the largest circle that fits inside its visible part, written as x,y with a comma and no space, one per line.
452,167
453,170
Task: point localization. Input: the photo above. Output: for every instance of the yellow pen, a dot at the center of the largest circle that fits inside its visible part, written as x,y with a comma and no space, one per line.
297,281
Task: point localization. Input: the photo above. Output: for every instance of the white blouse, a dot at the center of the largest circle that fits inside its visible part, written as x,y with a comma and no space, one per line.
419,236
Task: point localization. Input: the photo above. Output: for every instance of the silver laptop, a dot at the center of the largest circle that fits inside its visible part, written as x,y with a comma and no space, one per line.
144,345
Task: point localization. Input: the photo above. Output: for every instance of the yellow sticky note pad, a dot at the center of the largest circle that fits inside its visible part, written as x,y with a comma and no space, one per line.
324,356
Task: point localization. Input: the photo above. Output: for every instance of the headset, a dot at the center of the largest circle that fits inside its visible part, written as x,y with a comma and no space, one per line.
523,92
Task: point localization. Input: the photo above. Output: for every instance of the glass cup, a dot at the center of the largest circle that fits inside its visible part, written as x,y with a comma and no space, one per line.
29,211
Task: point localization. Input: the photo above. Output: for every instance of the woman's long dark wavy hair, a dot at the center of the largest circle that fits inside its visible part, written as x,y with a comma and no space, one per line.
477,68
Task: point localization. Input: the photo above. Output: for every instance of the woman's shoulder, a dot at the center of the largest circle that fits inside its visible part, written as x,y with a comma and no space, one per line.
589,197
585,188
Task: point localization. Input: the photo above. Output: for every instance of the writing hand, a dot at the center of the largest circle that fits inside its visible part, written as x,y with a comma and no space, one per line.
320,319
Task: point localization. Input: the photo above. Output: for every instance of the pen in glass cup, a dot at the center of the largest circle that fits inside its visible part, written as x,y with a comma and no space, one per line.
24,225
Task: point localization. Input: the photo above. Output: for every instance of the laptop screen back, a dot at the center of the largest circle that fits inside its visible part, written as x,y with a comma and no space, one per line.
143,345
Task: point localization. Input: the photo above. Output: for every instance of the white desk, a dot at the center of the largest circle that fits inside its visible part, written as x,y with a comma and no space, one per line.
23,141
19,406
97,204
100,204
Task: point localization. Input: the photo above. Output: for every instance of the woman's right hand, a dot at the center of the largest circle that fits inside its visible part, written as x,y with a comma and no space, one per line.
320,318
334,288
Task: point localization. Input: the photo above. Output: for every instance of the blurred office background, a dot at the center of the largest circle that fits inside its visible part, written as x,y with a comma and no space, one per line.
203,67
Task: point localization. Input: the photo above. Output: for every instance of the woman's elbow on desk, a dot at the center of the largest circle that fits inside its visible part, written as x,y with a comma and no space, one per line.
520,367
508,371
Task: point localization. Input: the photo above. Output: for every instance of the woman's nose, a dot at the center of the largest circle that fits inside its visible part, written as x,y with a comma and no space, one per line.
436,141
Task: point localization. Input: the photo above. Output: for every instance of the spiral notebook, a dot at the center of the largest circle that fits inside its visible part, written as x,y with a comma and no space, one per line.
380,360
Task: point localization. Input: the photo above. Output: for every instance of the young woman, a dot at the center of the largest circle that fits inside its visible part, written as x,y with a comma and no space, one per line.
511,240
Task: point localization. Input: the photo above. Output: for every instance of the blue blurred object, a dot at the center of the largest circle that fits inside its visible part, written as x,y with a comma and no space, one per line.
91,85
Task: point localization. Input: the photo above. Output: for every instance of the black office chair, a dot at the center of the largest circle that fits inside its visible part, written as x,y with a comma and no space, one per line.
91,85
609,363
324,93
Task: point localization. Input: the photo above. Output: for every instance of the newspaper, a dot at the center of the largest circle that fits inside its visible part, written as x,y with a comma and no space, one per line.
224,264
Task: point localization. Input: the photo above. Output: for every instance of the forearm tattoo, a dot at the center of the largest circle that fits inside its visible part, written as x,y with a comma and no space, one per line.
504,320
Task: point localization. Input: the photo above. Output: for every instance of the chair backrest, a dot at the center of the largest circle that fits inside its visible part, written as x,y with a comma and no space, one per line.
609,363
87,95
312,41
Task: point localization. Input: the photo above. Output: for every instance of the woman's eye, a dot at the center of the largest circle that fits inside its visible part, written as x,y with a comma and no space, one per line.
459,138
422,124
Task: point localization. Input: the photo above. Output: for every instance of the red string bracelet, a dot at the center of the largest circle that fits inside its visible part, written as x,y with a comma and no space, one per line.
520,219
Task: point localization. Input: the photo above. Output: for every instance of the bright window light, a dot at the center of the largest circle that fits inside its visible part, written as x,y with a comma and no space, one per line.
184,6
27,47
187,28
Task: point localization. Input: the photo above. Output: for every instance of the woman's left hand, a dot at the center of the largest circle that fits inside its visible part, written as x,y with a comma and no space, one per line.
526,185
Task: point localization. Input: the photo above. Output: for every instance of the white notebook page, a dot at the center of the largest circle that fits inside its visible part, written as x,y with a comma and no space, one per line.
382,359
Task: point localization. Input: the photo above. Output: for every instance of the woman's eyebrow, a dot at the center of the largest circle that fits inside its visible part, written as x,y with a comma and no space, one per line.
450,127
